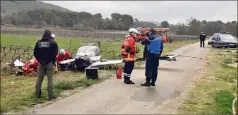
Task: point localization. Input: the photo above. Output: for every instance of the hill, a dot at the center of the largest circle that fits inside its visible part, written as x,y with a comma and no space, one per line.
8,7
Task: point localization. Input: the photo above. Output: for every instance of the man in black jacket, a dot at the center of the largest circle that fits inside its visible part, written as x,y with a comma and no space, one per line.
45,52
145,52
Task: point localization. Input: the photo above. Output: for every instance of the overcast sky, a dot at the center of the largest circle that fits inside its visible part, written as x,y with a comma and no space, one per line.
172,11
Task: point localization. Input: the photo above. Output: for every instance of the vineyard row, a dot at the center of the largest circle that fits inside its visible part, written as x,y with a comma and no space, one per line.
93,35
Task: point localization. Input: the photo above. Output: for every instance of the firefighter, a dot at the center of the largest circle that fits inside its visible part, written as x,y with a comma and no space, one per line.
45,52
63,55
129,54
30,66
202,39
155,48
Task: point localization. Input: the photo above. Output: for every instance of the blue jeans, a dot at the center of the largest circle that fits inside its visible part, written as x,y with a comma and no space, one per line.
152,64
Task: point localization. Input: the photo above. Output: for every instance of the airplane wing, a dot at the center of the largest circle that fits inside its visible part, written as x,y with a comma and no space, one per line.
108,62
67,61
164,57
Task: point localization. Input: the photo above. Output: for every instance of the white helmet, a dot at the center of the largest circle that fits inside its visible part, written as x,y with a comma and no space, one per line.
139,28
62,51
133,30
53,35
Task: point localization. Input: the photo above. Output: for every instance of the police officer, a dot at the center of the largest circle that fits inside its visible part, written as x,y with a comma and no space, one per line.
129,54
155,49
45,52
202,39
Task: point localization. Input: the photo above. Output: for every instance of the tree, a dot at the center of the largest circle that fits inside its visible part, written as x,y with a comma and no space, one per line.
106,24
204,22
116,16
127,20
96,20
164,24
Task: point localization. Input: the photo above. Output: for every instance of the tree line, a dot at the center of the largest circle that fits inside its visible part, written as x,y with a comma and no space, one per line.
117,21
194,27
75,20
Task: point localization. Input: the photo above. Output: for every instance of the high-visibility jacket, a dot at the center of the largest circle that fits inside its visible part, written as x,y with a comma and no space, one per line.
30,66
61,57
129,49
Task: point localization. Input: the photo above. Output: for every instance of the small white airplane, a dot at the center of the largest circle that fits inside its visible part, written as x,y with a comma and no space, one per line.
89,56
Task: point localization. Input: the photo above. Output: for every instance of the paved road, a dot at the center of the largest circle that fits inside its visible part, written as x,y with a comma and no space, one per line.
112,96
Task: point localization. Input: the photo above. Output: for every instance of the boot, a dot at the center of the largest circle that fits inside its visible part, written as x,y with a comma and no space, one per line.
125,79
152,83
38,95
147,83
128,81
51,98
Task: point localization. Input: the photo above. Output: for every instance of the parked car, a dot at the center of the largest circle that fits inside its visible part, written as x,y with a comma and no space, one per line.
210,41
220,40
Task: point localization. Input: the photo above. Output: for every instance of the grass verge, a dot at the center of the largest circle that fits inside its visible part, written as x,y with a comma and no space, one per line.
17,93
216,89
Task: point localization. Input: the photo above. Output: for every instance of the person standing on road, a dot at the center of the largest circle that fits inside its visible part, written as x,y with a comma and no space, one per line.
155,48
45,52
129,54
202,39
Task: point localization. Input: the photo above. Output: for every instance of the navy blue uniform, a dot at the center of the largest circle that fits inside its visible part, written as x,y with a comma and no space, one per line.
155,48
202,39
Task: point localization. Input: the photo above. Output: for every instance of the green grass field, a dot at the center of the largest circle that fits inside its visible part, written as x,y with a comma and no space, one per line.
17,93
109,49
217,87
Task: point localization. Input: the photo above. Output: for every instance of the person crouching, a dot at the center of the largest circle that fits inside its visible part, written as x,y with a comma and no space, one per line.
63,55
30,67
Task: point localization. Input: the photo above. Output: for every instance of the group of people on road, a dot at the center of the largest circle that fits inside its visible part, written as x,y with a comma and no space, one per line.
152,51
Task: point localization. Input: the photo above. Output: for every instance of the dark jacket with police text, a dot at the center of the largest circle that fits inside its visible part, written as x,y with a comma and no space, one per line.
45,50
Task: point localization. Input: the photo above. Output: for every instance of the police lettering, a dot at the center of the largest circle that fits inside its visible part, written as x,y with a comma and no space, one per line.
44,44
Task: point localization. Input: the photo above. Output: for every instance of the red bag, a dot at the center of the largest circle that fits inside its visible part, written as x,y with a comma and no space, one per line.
119,72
